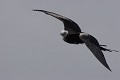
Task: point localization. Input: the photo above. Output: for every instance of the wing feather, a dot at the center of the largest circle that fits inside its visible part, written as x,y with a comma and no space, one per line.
93,45
69,25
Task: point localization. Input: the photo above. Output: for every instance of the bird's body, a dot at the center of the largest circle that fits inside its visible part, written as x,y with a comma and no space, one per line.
72,34
73,39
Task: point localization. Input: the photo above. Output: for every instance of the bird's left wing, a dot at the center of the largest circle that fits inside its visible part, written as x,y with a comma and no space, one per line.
93,45
69,25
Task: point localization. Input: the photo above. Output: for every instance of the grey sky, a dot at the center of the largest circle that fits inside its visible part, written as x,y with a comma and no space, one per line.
32,49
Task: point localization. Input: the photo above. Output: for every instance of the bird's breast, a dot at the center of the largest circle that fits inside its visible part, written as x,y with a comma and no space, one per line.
84,36
73,39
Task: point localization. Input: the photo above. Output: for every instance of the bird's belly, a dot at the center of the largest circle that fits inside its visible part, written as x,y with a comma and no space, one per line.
73,39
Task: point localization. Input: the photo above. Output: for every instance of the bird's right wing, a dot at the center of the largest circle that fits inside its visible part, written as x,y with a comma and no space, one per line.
69,25
92,44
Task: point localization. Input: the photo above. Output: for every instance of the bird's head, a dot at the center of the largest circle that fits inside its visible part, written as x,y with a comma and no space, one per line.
63,33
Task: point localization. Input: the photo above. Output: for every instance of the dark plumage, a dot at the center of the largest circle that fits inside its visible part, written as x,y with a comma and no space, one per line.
73,39
72,34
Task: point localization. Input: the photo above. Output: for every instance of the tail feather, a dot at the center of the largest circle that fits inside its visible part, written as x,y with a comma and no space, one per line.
110,50
104,45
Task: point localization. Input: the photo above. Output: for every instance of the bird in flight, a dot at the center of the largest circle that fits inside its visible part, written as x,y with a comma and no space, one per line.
72,34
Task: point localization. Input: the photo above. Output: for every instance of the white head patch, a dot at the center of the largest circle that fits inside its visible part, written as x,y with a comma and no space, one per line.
64,33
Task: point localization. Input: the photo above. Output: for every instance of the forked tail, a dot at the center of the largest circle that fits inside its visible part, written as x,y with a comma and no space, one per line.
105,49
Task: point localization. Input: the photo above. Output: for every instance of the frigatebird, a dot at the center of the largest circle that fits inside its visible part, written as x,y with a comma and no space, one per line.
72,34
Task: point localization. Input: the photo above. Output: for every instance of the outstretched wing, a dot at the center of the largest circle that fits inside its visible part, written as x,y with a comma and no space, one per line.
69,25
93,45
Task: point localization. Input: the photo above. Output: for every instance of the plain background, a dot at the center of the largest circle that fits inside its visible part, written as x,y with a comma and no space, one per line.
32,49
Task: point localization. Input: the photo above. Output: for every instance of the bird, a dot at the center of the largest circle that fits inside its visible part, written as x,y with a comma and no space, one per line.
72,34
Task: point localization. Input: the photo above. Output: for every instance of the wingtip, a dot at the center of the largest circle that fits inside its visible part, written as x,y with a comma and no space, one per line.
107,66
109,69
38,10
35,10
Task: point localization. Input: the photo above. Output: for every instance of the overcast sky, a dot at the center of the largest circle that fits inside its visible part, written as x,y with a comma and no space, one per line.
31,47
